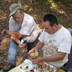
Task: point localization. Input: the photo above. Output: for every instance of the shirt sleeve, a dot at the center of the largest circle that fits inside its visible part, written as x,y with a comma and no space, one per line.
11,24
41,37
27,28
65,45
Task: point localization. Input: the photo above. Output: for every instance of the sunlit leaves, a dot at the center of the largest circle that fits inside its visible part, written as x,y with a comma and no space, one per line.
53,4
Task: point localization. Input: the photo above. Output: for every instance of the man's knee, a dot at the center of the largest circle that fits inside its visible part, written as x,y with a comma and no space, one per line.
11,58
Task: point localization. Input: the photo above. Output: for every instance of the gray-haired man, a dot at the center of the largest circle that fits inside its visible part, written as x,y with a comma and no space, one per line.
21,27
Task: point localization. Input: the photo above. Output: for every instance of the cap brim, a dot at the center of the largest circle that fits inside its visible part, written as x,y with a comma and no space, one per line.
12,13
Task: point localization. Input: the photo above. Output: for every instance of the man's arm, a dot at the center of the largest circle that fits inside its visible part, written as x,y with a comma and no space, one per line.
16,40
38,46
14,34
53,58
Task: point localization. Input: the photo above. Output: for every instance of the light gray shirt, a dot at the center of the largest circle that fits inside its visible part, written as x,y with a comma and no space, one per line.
27,28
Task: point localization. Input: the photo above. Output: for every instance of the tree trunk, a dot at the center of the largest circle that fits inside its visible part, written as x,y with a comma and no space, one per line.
19,2
32,1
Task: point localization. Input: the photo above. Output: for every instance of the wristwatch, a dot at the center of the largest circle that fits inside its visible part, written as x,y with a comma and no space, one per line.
4,31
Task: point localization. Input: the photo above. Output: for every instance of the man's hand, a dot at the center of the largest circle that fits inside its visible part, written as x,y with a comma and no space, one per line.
2,33
22,45
37,60
32,50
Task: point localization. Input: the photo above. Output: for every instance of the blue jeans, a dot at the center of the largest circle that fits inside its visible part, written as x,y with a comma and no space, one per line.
13,50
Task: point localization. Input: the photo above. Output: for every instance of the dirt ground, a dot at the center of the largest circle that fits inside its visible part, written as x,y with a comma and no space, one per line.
37,10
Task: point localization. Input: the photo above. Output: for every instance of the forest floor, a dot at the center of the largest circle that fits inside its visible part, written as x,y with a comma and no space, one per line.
38,9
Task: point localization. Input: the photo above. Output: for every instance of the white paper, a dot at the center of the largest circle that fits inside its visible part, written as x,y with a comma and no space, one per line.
30,66
28,61
35,70
51,66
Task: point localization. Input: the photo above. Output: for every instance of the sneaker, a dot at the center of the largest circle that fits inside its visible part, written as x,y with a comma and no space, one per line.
9,66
